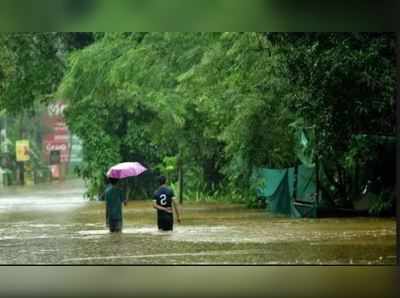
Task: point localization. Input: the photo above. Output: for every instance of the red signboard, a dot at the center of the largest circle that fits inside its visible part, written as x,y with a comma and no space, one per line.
57,137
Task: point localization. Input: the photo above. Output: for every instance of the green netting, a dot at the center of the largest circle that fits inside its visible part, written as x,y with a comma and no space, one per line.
274,187
279,201
277,187
304,204
291,180
306,187
269,181
304,142
304,146
293,191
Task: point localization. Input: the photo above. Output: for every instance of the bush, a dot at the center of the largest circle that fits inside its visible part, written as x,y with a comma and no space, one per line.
382,204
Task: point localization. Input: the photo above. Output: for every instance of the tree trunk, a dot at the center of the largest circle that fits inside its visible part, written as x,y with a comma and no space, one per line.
341,183
356,183
211,175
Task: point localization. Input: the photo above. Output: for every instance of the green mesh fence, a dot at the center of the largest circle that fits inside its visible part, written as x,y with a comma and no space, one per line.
277,187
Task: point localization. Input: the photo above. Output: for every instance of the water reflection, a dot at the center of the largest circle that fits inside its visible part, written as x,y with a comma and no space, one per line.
56,225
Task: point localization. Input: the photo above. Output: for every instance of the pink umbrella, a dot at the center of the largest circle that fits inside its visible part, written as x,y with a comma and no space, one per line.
125,169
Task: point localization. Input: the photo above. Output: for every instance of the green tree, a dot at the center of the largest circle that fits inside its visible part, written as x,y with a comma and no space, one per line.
207,99
221,104
343,84
31,67
244,101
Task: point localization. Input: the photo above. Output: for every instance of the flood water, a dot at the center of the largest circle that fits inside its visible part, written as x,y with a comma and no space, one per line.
54,224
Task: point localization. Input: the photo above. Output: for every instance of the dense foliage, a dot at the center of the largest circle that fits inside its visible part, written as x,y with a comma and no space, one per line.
205,99
32,65
220,104
344,85
31,68
213,105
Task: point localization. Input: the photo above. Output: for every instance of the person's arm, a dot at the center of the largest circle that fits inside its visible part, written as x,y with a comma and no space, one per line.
156,206
102,196
124,197
176,207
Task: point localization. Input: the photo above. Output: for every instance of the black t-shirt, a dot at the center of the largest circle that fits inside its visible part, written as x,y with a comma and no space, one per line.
163,197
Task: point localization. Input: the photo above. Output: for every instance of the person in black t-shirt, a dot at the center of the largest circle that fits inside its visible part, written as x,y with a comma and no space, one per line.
164,200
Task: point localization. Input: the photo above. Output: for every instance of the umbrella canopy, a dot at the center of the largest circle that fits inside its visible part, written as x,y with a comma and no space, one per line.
125,169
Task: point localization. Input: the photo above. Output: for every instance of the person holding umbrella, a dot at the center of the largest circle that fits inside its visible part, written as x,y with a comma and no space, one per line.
115,196
163,201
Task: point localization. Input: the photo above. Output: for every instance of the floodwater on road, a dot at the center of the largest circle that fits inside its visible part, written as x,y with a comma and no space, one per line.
54,224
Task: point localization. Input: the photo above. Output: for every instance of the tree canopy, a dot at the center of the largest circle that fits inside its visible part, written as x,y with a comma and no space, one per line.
222,103
217,104
29,69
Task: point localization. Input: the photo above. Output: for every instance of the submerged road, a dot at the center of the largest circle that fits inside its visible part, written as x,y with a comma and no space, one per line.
55,224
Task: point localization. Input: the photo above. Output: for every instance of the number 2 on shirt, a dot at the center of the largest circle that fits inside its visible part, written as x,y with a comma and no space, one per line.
163,200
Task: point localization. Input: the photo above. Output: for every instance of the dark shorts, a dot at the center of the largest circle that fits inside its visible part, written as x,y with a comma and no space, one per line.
165,221
115,225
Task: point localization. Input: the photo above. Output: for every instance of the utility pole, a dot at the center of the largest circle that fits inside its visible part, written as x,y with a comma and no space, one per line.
317,165
317,182
398,132
180,180
21,164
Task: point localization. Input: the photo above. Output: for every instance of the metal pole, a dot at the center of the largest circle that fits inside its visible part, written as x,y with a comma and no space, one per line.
21,164
398,134
317,179
180,178
317,182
